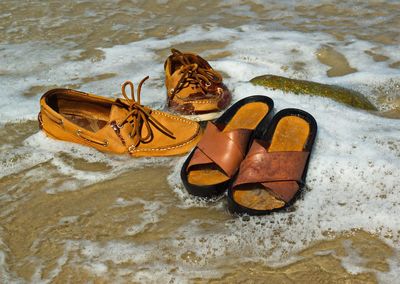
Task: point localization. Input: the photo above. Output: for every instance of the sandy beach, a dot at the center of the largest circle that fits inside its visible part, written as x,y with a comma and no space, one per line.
71,214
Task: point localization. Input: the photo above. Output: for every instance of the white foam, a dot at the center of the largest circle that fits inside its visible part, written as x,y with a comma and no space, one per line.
20,159
149,215
272,51
352,262
5,275
117,252
37,276
147,262
68,220
394,270
187,200
58,154
97,268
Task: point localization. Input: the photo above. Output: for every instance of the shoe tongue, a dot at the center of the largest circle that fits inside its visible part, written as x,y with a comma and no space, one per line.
177,75
193,58
117,113
116,116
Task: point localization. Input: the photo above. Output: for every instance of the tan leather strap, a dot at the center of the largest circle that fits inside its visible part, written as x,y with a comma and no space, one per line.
225,149
280,172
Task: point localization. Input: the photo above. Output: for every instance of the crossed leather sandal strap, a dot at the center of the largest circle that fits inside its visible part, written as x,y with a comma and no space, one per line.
279,172
225,149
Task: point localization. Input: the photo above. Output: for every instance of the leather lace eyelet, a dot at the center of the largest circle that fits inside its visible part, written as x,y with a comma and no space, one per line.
131,148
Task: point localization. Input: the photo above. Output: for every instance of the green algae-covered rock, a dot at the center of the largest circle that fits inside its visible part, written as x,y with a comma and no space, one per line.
340,94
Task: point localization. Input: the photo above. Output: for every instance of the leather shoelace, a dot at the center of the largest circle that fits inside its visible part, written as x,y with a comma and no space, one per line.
139,116
193,73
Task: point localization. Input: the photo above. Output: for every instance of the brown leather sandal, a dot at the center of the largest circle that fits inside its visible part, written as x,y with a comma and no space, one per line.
209,169
275,168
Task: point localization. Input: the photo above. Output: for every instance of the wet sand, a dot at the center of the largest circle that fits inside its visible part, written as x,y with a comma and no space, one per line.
77,216
55,229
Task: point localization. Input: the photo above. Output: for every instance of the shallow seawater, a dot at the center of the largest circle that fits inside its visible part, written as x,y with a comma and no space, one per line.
70,214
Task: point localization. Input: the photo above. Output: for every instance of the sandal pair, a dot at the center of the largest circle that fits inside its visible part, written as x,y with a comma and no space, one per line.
261,159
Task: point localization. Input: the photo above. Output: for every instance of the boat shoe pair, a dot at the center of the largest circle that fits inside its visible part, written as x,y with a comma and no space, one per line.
124,125
259,158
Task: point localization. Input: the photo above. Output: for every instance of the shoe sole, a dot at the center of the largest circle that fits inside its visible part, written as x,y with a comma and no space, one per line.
203,117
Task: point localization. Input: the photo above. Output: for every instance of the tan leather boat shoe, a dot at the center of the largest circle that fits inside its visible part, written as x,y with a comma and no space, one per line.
115,125
194,89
